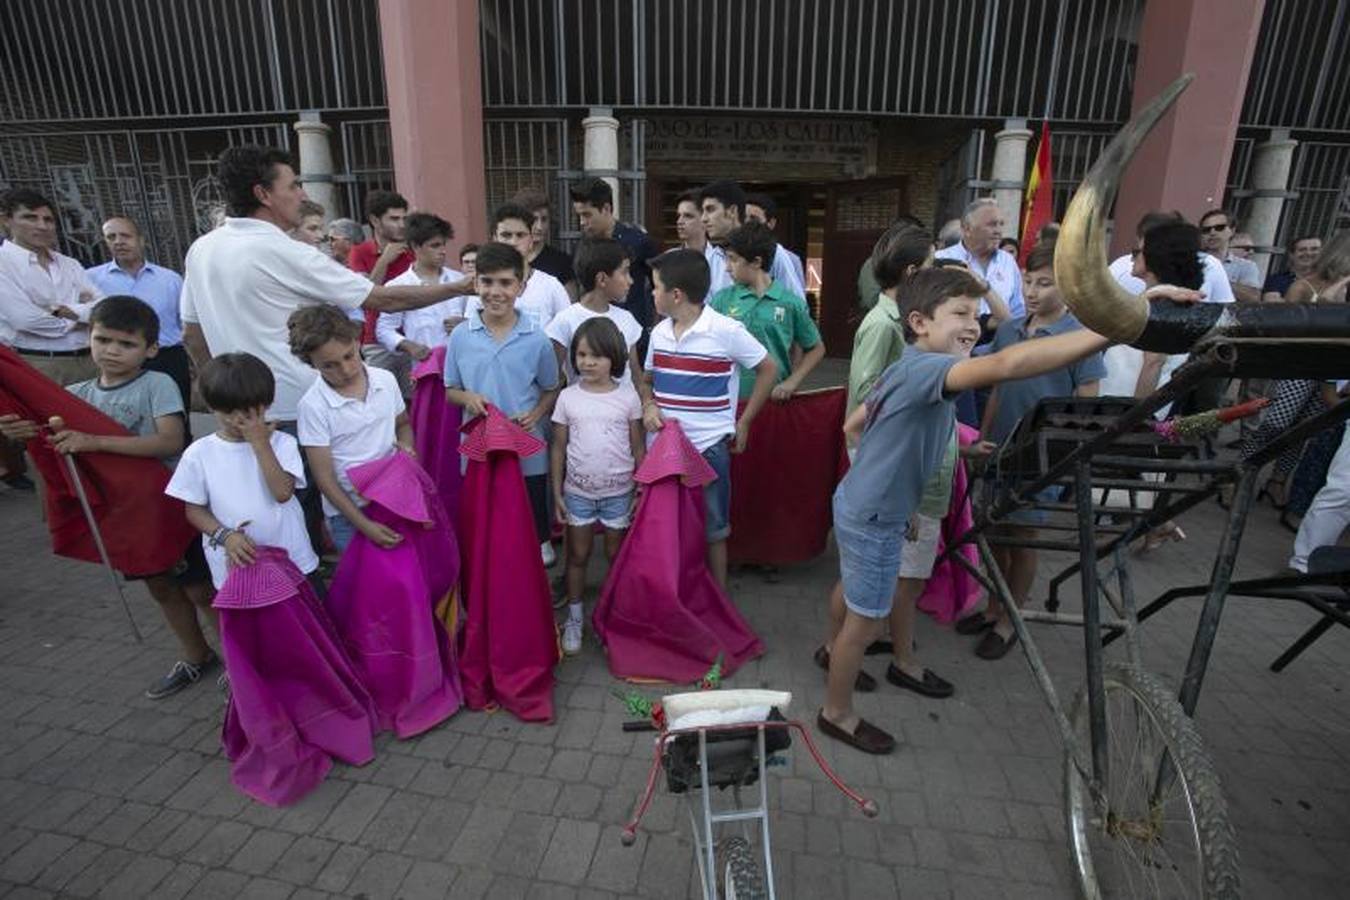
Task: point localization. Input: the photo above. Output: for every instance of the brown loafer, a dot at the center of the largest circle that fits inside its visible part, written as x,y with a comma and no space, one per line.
865,737
994,645
863,684
975,623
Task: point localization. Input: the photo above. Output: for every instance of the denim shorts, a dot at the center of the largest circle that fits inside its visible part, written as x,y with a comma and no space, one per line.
717,494
611,512
341,530
869,562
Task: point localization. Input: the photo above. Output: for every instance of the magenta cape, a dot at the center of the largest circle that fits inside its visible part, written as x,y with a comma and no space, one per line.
509,644
661,614
951,590
435,424
783,484
296,700
384,601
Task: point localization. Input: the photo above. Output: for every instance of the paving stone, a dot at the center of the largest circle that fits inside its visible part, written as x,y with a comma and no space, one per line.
266,889
27,862
530,760
427,880
220,843
98,873
435,833
261,851
303,860
379,876
482,832
394,822
614,866
138,879
341,867
524,844
220,884
69,865
180,882
354,812
122,823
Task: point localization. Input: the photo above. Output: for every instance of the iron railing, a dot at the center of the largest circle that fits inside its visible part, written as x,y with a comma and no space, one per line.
1300,75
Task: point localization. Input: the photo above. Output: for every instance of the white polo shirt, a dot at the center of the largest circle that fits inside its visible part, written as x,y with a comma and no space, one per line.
425,326
355,431
28,293
694,378
542,298
1001,272
243,281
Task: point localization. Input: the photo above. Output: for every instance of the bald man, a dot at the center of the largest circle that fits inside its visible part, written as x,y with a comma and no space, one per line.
131,273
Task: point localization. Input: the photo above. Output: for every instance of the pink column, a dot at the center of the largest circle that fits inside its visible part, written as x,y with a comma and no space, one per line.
434,88
1183,164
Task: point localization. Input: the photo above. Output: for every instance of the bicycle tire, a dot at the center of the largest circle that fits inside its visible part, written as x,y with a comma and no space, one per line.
743,877
1217,875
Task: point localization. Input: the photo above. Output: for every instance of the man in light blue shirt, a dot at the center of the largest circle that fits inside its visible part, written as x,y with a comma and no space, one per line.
981,230
129,273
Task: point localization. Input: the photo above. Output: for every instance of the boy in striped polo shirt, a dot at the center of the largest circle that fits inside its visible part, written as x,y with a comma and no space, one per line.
691,368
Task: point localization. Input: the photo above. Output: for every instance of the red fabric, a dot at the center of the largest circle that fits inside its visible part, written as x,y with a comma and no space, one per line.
435,424
362,258
509,644
145,531
951,590
782,484
1038,207
661,614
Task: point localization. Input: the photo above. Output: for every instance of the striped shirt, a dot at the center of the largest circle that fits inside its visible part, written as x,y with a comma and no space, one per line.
694,378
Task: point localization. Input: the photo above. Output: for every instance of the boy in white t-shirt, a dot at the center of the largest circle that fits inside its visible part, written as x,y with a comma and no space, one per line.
239,484
602,268
418,331
691,370
352,414
541,295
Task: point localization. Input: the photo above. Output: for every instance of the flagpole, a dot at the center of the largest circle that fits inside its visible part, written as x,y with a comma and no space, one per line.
75,479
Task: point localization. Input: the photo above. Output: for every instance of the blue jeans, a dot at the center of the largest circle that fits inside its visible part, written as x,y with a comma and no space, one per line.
869,561
342,531
717,495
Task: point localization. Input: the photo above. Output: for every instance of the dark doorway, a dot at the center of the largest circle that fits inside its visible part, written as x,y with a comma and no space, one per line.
856,214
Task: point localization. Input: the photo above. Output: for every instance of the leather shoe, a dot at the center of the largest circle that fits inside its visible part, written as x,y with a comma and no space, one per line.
975,623
865,736
930,685
863,684
994,645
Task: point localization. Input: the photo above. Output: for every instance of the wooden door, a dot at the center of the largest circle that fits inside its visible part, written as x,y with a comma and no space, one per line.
856,214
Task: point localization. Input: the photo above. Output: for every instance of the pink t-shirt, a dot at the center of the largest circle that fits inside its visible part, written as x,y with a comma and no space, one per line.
599,448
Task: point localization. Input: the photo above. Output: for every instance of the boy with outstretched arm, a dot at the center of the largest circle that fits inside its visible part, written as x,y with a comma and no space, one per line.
691,362
886,510
124,333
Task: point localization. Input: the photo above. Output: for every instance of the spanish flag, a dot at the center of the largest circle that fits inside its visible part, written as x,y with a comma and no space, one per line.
1038,205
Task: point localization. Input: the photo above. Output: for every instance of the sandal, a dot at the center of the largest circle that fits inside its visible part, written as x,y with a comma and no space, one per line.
865,736
994,645
930,685
863,684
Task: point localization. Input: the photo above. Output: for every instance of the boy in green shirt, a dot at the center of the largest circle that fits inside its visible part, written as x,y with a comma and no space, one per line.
776,317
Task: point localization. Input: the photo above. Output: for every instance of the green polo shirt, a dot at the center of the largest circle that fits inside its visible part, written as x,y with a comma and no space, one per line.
777,320
878,342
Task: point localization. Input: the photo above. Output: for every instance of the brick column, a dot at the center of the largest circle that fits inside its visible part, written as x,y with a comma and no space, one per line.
1183,164
434,86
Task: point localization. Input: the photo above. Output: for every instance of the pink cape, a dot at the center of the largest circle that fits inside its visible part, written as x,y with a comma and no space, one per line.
783,484
951,590
296,700
384,601
435,424
661,614
509,644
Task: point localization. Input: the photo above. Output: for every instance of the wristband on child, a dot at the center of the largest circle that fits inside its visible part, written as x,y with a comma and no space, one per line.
219,536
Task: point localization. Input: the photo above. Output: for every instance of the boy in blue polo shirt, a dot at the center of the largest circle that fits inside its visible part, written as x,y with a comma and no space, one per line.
1010,401
768,309
502,357
887,509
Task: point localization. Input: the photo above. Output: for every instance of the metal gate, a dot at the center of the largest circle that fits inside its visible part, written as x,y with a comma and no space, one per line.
164,179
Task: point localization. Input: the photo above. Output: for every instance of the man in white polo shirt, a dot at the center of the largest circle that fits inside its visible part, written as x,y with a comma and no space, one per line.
981,231
244,279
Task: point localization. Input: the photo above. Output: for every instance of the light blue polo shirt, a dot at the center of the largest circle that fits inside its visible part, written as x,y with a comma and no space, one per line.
1016,397
910,425
511,373
154,284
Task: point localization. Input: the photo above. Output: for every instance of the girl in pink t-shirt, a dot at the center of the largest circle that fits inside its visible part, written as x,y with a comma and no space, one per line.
597,445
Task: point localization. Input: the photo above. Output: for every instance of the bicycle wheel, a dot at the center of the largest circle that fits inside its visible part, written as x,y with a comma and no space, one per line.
1161,828
742,876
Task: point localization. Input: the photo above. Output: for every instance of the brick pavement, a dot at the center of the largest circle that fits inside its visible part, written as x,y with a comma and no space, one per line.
104,793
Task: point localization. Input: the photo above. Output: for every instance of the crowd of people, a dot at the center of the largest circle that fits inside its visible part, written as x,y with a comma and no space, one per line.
302,335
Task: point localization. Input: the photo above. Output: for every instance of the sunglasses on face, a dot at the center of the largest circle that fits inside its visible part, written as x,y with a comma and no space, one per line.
1210,229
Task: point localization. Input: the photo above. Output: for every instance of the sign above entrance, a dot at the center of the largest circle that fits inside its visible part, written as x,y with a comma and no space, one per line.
844,143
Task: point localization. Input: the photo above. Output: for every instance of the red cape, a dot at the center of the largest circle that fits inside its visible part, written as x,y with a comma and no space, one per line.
435,424
661,614
509,644
782,484
951,590
145,531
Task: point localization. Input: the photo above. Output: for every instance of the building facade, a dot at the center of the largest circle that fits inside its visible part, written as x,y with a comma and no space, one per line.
845,111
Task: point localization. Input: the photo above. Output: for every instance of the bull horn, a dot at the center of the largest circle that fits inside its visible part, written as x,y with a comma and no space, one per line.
1081,272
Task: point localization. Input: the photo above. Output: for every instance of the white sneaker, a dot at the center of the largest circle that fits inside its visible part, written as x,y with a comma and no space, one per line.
571,640
547,554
